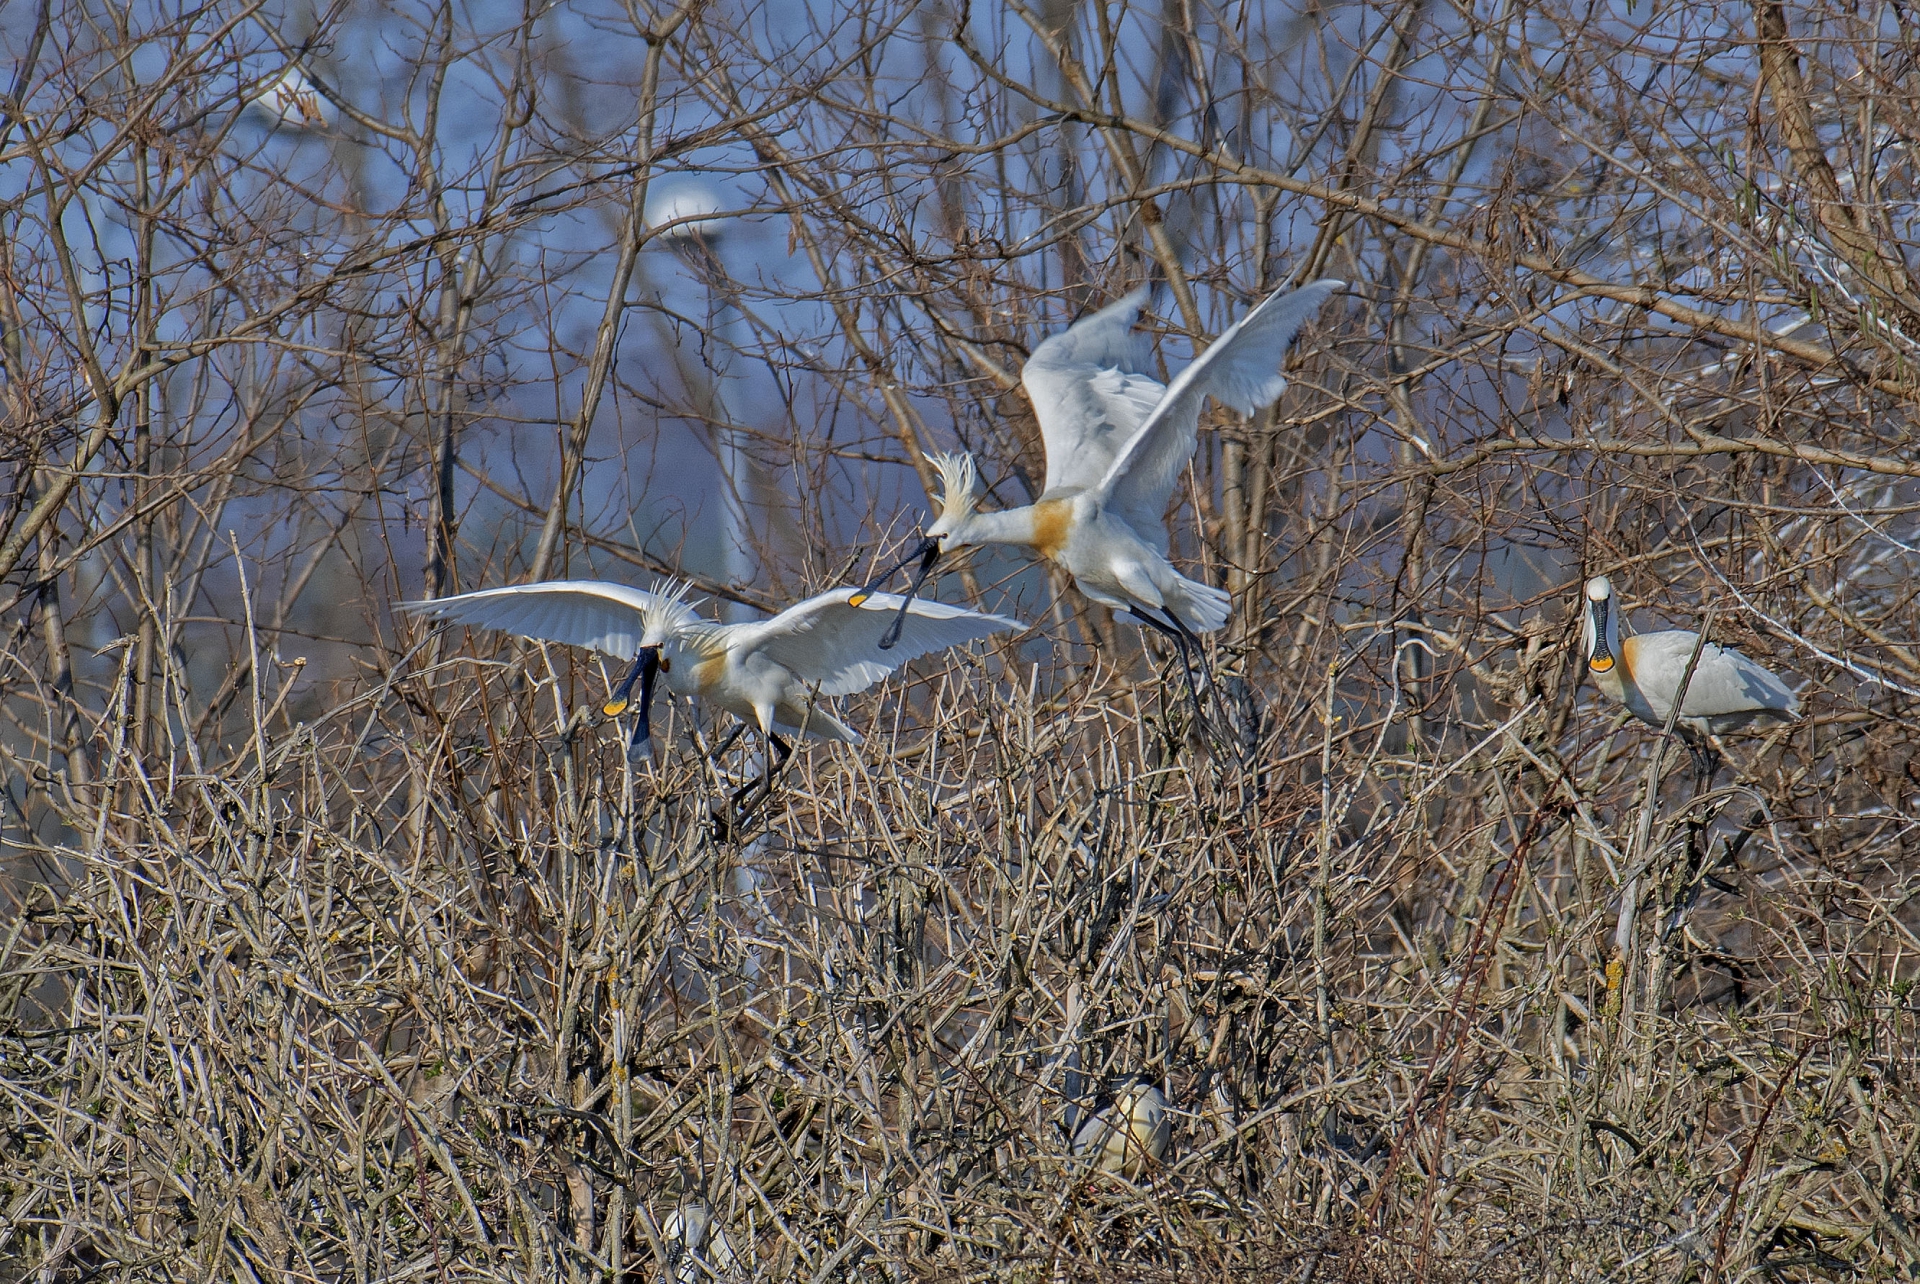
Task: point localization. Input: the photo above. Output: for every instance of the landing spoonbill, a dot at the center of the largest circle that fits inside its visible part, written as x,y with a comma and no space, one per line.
767,672
1116,440
1727,692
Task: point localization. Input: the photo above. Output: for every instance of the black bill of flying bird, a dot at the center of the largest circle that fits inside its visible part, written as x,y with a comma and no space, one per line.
928,553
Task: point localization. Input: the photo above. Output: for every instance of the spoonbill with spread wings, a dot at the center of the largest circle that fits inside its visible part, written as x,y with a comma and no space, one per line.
1116,442
771,673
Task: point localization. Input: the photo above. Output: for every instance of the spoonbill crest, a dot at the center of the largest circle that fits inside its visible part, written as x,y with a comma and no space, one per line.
770,673
1116,441
1727,692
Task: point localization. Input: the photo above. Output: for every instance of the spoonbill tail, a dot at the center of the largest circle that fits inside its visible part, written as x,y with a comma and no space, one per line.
1726,693
771,673
1116,441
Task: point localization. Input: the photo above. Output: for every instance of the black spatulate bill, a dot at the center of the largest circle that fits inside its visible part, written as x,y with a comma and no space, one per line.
646,667
928,553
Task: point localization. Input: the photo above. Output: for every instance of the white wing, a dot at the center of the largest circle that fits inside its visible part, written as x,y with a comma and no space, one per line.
1091,393
1241,368
589,613
1725,682
828,641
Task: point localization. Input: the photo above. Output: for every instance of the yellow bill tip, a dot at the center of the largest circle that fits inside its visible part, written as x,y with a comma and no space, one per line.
858,598
1600,663
614,708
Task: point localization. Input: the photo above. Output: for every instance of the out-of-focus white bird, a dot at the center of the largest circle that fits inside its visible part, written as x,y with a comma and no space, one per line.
685,207
291,100
767,672
1116,442
1126,1133
697,1245
1727,692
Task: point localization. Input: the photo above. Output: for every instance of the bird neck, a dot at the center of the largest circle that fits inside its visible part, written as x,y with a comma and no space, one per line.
1008,526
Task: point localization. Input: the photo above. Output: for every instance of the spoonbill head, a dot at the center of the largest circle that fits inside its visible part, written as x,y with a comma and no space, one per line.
770,673
1727,692
955,526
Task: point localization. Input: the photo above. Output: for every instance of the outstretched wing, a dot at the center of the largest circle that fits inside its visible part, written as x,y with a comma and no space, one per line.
1090,392
590,613
1241,368
826,640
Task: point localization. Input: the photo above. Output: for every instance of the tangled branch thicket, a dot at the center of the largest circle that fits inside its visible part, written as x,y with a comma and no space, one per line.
336,948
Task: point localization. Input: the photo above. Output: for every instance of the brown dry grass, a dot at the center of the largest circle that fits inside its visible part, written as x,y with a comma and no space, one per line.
431,986
334,951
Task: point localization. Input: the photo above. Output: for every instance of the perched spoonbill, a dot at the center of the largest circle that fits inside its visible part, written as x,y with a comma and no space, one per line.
1116,440
697,1246
1727,692
1125,1134
767,672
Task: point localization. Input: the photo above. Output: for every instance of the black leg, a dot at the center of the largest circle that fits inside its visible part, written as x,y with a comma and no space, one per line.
720,751
1192,639
775,745
1706,761
785,751
1173,628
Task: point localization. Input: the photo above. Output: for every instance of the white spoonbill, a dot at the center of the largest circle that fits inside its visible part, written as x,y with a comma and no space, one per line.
698,1247
1116,441
1727,692
767,672
1126,1133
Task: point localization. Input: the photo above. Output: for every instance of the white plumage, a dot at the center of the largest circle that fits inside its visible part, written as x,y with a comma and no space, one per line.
293,101
1727,692
697,1245
1116,441
1128,1133
767,672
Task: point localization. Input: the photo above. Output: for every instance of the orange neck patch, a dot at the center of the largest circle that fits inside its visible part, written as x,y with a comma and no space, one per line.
1051,519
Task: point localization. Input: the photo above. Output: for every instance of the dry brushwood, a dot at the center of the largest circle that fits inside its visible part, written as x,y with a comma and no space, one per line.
333,947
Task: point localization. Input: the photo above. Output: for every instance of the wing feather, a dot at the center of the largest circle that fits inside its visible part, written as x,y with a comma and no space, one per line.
827,640
1240,368
1091,392
1725,682
588,613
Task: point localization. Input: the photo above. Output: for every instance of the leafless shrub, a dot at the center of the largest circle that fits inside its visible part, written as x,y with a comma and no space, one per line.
338,949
